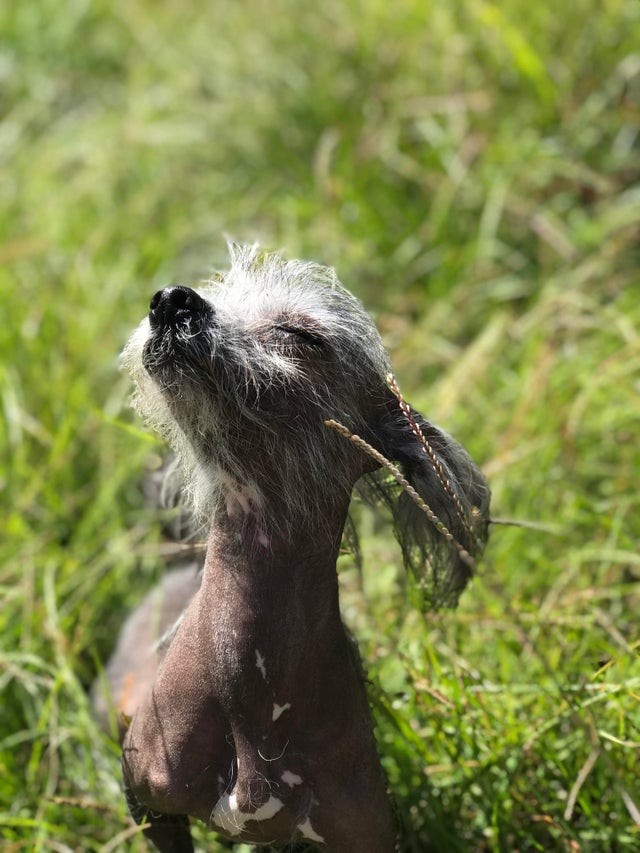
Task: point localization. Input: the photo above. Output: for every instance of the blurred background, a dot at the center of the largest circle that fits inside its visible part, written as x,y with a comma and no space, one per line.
472,171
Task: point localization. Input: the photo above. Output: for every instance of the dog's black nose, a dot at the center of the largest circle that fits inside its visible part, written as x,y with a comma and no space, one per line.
175,305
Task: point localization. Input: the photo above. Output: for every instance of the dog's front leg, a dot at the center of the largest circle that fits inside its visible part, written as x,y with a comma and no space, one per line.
167,832
176,751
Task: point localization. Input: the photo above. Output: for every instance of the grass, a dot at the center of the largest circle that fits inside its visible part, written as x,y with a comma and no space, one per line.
472,170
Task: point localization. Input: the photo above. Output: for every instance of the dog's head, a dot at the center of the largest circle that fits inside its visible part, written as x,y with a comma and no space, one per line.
241,376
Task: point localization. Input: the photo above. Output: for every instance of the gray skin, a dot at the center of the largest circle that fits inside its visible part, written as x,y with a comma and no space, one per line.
257,720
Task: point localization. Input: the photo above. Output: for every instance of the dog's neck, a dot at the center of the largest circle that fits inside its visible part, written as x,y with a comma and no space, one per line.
286,674
280,578
271,615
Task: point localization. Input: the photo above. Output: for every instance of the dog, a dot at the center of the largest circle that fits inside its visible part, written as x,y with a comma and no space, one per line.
273,388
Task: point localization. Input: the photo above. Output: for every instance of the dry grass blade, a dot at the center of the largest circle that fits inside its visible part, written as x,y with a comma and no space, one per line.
444,531
433,458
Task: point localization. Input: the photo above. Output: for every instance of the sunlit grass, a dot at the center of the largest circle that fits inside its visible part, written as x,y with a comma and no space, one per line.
472,171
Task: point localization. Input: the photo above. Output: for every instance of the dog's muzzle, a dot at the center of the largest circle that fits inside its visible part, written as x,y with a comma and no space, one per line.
178,308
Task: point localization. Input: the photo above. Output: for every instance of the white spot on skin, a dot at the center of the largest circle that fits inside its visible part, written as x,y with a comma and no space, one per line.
291,779
240,500
309,832
278,710
228,816
260,664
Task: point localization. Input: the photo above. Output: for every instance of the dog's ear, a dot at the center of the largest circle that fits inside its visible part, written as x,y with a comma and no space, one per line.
440,542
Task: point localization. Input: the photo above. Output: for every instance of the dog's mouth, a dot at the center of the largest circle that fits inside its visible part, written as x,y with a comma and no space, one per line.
178,320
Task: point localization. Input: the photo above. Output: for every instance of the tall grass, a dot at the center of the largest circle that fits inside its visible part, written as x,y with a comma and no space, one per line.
472,170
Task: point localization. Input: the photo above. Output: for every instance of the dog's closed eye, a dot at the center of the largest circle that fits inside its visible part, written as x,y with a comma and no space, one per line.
296,336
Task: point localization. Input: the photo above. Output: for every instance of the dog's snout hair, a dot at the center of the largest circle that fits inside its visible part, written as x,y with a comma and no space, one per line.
273,388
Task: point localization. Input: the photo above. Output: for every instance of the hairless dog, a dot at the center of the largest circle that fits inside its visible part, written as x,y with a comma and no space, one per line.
274,389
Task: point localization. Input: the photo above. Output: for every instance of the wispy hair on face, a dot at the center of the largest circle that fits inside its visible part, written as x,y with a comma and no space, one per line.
241,375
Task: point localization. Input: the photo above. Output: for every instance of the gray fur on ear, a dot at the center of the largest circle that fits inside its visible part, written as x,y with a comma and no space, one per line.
452,486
